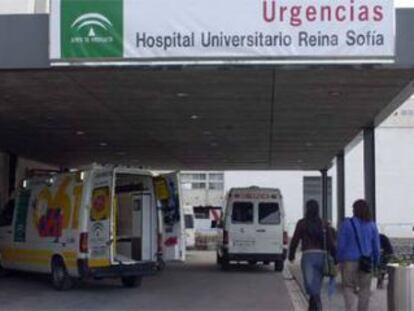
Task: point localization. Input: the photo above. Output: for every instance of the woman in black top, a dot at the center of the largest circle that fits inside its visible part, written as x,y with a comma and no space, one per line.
311,231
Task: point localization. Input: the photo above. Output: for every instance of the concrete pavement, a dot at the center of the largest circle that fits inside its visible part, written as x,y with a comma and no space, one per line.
196,285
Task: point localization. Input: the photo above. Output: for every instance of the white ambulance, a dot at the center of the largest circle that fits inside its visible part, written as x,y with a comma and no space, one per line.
100,222
252,228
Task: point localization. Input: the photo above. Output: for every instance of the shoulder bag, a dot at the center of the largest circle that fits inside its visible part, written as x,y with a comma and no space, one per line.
365,262
329,267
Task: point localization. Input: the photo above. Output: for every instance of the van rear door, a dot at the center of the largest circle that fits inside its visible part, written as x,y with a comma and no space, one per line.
100,240
241,228
173,230
269,228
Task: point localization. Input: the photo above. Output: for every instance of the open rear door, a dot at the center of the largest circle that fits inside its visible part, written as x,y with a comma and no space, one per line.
100,240
173,231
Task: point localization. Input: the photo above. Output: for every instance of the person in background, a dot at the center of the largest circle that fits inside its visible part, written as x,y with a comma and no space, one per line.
310,232
387,252
332,229
358,232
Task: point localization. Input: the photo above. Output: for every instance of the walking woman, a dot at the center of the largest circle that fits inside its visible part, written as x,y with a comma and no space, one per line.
358,254
312,232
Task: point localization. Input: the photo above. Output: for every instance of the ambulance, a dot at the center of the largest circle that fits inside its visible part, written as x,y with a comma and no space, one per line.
100,222
252,228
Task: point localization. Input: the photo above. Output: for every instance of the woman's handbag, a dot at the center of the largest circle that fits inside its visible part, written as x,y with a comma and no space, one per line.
329,267
365,262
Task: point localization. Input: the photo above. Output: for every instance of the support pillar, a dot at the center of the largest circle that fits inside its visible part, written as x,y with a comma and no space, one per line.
340,187
12,172
369,169
325,214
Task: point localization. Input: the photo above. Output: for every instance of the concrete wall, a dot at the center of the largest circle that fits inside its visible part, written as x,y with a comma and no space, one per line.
395,180
4,178
24,6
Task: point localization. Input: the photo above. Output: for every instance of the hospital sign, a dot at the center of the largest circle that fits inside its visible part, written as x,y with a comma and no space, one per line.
222,30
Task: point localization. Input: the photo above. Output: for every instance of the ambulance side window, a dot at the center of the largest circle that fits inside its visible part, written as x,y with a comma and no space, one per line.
6,216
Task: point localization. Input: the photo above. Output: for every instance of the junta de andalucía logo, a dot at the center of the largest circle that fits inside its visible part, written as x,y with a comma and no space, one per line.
90,22
91,28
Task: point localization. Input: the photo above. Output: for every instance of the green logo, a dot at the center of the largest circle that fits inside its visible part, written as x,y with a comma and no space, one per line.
91,28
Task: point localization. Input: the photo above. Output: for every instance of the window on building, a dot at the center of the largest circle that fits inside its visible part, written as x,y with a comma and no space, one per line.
191,177
242,213
185,178
215,186
199,176
269,213
189,221
201,213
198,185
216,176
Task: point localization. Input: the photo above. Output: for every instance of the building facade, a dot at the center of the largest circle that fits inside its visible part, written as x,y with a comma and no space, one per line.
202,188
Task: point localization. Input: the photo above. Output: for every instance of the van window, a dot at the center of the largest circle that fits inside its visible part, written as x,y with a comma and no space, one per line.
189,221
242,213
6,216
269,213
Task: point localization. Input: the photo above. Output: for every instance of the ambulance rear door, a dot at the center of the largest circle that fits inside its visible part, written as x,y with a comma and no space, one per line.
100,224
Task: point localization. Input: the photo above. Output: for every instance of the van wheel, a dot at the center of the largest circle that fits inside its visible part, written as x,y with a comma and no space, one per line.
60,277
252,262
225,264
131,281
222,262
219,259
279,265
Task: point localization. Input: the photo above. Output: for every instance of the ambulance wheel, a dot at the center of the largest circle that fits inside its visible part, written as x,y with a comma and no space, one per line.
131,281
3,272
160,265
60,277
279,265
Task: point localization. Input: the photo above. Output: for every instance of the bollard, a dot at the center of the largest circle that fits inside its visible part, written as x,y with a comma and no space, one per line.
400,292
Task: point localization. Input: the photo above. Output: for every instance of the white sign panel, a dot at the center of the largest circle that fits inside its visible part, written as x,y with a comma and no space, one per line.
225,30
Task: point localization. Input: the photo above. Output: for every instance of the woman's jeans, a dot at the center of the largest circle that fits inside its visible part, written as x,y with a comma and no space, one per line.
312,269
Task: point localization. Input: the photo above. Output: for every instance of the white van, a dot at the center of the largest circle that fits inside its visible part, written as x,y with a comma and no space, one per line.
100,222
253,228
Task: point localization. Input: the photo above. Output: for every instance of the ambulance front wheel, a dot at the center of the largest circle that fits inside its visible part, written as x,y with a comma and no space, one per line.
131,281
3,272
60,277
279,265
